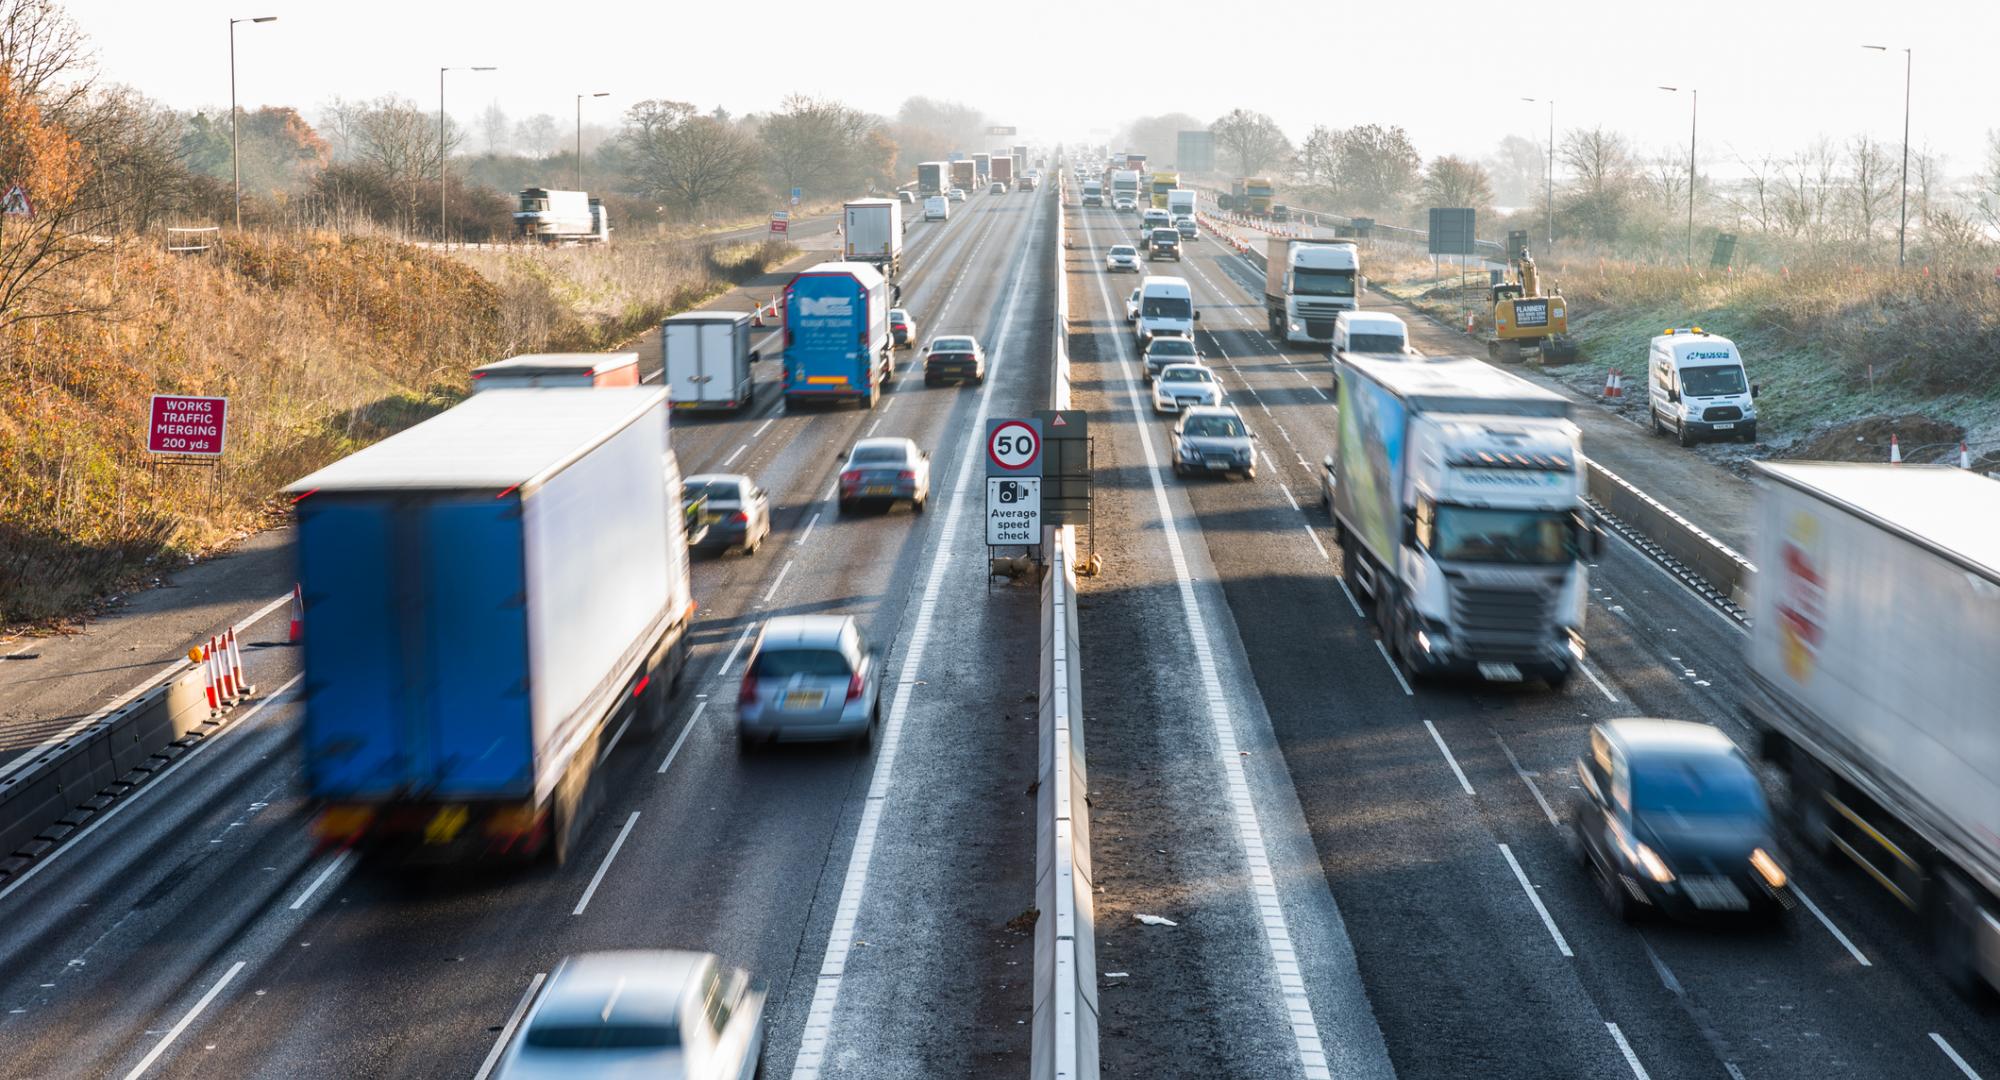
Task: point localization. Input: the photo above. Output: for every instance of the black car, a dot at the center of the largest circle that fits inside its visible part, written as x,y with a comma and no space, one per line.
1672,819
1164,243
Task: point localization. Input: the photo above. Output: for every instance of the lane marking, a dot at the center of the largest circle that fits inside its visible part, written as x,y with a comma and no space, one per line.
1608,695
786,569
1449,760
1314,537
1393,669
738,647
1286,491
818,1033
873,426
507,1029
1625,1048
339,860
693,718
734,454
175,1031
153,785
604,866
800,542
1953,1055
615,736
1535,898
1830,928
760,428
1547,810
1351,601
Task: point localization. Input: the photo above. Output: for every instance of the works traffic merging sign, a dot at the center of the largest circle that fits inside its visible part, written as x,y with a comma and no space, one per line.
188,425
1013,447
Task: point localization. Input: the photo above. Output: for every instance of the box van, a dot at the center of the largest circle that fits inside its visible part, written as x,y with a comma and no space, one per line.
706,358
1375,332
937,208
1696,388
542,370
1154,219
1166,306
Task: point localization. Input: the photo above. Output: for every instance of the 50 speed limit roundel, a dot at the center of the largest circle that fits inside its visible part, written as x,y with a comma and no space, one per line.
1014,446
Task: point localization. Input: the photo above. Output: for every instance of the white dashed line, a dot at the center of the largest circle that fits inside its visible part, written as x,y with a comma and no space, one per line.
782,571
761,428
734,454
507,1029
598,878
1314,537
1393,669
1953,1055
1535,898
1625,1048
693,719
809,529
1830,928
1448,759
175,1031
738,647
1526,779
1606,690
339,859
1351,601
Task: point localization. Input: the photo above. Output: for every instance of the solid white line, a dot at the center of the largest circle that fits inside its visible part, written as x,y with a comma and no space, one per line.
738,647
154,785
1536,899
507,1029
175,1031
1449,760
809,529
692,718
1526,779
606,864
339,860
1830,928
1625,1048
1277,929
818,1033
782,571
1953,1055
1393,669
1609,696
734,454
1314,537
760,427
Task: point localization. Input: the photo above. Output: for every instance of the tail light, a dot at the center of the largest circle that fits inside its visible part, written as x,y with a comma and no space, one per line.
854,687
907,475
748,694
850,478
740,518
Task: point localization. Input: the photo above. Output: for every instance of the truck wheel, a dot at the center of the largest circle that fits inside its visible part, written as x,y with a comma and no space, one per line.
1954,920
1750,434
1805,805
1681,430
1350,573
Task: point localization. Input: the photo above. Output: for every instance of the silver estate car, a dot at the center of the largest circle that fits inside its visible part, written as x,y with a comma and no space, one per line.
810,678
1212,439
640,1012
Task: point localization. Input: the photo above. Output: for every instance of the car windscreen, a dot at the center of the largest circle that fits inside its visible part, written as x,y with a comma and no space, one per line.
569,1035
1171,347
879,455
1166,307
1375,343
1715,786
717,492
1185,375
1124,249
1483,534
784,663
1711,381
1214,427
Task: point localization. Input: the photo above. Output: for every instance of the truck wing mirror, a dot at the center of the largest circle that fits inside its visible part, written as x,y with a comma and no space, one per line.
755,356
1409,528
1197,316
1673,395
1755,389
1327,461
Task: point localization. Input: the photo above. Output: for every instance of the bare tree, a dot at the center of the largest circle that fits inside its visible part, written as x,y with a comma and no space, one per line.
1253,137
1376,168
45,54
1758,202
1986,185
54,228
1600,164
494,128
1518,167
1871,188
817,144
1455,181
1318,159
537,135
1809,193
1158,137
688,159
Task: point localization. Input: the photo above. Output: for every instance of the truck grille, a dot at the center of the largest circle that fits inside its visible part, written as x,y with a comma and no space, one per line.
1722,412
1502,624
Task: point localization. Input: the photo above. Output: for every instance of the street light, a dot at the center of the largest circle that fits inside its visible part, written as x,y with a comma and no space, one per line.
441,159
1694,115
579,133
1903,229
235,168
1551,103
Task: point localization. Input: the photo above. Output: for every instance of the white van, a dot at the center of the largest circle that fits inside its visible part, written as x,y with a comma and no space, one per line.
937,208
706,358
1166,307
1696,388
1377,333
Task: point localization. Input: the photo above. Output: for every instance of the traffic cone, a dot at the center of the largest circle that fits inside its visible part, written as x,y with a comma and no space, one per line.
1469,322
1964,457
298,615
1895,451
197,656
1614,386
243,687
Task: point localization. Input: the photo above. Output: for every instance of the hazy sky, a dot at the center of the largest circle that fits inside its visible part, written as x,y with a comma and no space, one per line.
1773,75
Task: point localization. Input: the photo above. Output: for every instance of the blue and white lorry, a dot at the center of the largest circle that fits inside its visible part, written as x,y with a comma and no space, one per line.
491,593
837,343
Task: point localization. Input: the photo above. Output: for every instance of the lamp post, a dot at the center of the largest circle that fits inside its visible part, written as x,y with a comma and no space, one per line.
1551,103
1903,228
1694,115
235,166
441,157
579,133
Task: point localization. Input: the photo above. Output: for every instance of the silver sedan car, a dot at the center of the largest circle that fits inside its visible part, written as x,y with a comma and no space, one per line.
735,511
1183,386
885,471
809,678
640,1013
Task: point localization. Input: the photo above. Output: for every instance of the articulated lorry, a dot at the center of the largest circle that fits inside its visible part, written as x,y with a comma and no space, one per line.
837,343
1457,495
872,232
1124,189
1307,284
1162,184
964,175
933,177
1874,624
1003,171
492,592
555,217
983,166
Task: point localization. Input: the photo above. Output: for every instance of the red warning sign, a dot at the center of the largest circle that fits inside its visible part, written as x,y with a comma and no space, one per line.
188,425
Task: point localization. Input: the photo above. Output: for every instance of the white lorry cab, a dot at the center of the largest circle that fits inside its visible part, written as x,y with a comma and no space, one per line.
1166,308
1696,388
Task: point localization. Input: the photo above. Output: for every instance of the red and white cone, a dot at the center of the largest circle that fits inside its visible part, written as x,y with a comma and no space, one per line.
235,654
1964,457
1469,317
1895,451
1614,384
197,655
298,614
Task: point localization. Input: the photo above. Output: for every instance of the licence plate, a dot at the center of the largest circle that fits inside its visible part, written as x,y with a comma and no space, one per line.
1723,427
1218,463
1500,672
805,699
878,490
1715,893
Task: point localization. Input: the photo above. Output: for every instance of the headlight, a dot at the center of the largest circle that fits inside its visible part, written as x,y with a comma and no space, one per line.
1768,868
1652,864
1190,453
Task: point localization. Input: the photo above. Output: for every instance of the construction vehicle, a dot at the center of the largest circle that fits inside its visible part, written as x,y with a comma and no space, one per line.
1526,320
1255,195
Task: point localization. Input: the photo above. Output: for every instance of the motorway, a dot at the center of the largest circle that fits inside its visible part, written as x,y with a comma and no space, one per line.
193,931
1395,859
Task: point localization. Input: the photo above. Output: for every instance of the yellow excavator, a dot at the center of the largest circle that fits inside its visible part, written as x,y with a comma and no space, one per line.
1526,320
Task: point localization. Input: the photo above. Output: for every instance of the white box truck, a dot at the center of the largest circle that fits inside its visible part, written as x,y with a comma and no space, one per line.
705,359
872,232
1307,284
555,217
1180,203
1874,633
1457,494
492,593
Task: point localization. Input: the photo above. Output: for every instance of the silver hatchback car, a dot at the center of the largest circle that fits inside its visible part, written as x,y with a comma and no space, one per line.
1214,439
810,678
640,1012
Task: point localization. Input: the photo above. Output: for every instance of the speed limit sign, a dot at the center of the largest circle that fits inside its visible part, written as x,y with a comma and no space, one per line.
1014,447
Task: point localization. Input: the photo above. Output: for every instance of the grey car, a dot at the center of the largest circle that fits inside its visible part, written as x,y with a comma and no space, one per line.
1214,439
810,678
884,471
1162,351
640,1012
735,511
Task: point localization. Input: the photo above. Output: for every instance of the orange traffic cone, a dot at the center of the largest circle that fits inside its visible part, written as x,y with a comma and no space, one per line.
1614,384
1895,451
298,615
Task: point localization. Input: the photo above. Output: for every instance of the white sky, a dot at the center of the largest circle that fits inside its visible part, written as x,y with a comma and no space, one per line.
1773,74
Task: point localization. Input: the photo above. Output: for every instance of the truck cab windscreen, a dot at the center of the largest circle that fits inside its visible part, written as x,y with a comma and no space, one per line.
1308,282
1711,381
1488,535
1374,343
1167,307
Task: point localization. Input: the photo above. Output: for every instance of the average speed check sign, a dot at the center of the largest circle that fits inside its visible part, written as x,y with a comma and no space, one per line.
1014,447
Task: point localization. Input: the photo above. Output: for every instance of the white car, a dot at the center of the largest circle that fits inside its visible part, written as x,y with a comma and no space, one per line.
1122,202
1122,257
1183,386
640,1012
1132,307
956,194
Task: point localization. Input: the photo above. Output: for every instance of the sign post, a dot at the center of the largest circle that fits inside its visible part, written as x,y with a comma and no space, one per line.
185,426
781,221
